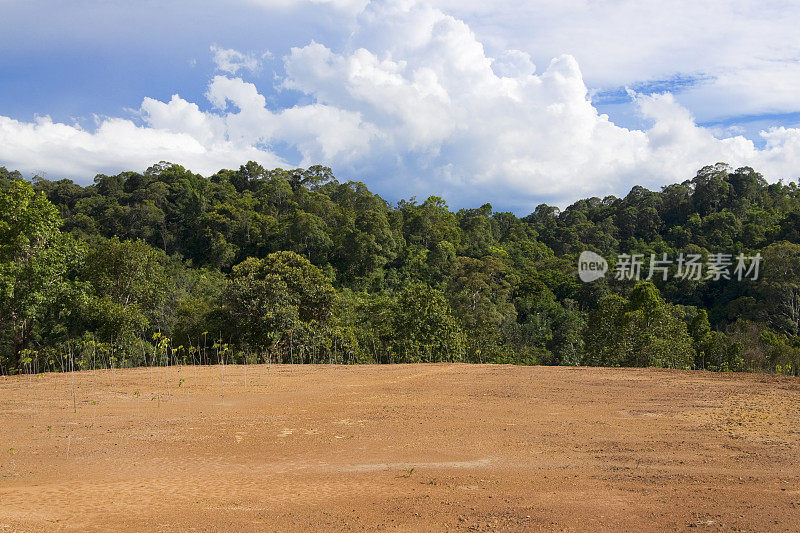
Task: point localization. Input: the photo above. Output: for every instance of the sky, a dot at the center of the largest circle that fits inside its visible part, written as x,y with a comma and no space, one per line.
476,102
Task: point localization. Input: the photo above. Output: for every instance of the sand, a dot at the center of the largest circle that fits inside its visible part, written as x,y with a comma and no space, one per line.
405,447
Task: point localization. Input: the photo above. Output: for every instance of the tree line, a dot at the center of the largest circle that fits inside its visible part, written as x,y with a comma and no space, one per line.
252,265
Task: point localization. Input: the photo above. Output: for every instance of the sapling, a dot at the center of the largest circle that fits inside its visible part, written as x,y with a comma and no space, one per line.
205,348
222,350
12,452
26,361
72,375
111,361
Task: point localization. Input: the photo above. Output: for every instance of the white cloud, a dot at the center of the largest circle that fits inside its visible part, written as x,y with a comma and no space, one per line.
60,150
232,61
513,64
479,125
415,104
348,6
747,49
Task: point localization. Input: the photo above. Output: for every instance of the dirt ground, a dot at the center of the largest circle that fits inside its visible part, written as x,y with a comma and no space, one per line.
406,447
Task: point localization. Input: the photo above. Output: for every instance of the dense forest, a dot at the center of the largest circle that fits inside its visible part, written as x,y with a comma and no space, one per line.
254,265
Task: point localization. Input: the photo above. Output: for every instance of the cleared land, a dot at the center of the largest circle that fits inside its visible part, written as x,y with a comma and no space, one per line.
407,447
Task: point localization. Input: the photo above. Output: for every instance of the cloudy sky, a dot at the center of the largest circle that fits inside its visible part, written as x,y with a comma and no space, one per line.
472,101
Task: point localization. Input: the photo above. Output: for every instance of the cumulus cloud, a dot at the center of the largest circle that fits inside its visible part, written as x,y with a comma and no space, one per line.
746,51
414,105
61,150
476,125
232,61
348,6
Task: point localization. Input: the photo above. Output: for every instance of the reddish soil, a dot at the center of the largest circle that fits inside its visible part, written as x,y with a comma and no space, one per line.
406,447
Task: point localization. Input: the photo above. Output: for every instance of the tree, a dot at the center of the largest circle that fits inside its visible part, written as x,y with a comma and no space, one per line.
366,247
653,333
640,331
603,332
711,188
261,309
780,287
479,293
308,234
269,299
424,327
35,262
129,272
545,331
308,285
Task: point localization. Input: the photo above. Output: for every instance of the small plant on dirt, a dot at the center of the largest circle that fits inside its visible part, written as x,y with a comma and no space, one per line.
26,358
223,350
12,452
408,473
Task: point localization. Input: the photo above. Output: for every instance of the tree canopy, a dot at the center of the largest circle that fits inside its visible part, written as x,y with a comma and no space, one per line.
295,266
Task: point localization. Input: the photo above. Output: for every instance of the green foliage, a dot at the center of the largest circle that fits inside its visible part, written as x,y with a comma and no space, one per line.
479,291
780,288
36,265
274,300
167,266
642,330
424,328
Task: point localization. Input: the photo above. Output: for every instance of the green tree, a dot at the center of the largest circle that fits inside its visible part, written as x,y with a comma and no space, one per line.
780,286
35,262
479,293
424,328
271,300
640,331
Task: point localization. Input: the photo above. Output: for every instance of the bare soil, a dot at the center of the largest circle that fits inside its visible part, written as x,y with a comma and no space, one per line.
406,447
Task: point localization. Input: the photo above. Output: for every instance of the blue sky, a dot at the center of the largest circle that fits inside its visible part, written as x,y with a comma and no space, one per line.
76,59
472,101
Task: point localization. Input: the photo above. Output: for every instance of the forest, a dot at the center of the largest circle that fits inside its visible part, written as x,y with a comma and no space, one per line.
253,265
